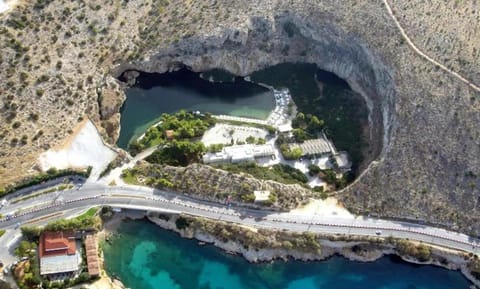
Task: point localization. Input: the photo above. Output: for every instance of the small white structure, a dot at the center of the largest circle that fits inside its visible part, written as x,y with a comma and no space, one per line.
261,196
239,153
3,6
343,162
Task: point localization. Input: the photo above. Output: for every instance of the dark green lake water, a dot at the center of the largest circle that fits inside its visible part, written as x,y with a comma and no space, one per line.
344,111
145,256
155,94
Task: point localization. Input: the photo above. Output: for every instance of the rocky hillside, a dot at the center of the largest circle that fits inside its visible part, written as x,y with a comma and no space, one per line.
58,58
208,183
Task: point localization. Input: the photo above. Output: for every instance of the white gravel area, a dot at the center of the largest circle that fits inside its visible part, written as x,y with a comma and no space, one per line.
316,182
222,133
85,149
5,5
327,208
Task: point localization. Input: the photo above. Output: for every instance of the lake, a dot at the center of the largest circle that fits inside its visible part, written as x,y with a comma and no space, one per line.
144,256
154,94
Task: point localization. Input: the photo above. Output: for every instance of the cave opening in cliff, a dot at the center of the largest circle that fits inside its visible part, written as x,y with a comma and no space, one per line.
320,99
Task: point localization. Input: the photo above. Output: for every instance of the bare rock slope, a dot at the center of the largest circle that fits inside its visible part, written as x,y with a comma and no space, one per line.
425,126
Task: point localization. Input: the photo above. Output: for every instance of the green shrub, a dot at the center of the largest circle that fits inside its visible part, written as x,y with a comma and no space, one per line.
182,223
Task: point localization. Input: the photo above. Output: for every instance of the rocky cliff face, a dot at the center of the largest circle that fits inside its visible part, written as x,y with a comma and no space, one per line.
289,38
424,124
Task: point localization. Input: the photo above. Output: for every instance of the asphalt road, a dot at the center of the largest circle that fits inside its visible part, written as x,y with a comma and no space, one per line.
54,205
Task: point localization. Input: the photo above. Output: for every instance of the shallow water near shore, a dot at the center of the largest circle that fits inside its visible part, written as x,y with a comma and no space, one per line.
144,256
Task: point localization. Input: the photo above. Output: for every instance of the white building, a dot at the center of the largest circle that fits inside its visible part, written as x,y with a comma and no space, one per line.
315,147
239,153
261,196
342,161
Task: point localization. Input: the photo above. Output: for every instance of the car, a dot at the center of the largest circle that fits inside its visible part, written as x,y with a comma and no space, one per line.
378,232
17,225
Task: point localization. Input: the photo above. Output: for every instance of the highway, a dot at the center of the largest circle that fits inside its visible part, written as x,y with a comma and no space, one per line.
54,205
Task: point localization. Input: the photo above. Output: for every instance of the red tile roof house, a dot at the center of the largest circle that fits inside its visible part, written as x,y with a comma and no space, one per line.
58,253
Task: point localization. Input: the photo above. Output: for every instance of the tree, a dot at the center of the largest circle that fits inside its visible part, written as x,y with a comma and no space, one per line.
25,249
215,148
250,139
30,232
52,171
300,135
315,124
135,147
313,170
261,141
164,183
178,153
291,153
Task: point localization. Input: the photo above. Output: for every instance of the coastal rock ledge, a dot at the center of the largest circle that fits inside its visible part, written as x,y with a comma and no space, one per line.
267,245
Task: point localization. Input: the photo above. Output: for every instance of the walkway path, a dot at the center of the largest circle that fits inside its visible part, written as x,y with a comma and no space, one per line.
422,54
115,174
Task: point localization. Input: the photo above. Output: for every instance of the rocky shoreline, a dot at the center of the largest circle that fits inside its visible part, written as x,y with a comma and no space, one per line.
352,248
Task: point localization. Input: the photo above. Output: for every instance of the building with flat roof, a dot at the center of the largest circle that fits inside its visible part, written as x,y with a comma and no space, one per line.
239,153
315,147
58,253
261,196
342,161
91,251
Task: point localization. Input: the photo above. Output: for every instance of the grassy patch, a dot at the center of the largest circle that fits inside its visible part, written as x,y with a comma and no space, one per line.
129,177
43,177
2,232
51,190
88,214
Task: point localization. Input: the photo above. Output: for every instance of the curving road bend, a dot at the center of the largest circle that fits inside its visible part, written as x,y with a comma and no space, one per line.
134,197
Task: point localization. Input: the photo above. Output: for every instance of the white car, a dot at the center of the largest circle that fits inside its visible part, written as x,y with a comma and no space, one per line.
378,232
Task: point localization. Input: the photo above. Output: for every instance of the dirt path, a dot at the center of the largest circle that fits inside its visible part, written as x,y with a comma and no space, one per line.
422,54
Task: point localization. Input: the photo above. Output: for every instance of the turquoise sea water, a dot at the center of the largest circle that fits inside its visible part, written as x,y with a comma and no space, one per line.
155,94
145,256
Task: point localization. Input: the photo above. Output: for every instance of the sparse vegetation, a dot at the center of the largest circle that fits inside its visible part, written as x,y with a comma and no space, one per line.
40,178
420,252
210,183
279,172
305,242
